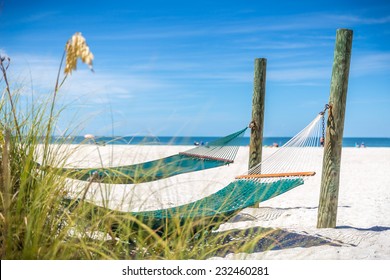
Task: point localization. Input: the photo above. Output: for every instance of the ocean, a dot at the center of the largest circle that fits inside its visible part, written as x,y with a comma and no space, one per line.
244,141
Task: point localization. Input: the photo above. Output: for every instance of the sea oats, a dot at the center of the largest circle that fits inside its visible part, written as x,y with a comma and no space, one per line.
76,48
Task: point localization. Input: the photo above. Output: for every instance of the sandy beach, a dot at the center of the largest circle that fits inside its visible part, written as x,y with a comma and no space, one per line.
363,221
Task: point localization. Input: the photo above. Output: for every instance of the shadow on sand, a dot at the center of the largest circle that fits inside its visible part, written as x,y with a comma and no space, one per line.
259,239
374,228
298,207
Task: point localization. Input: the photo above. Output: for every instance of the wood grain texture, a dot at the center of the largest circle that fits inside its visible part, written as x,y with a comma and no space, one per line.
327,210
256,138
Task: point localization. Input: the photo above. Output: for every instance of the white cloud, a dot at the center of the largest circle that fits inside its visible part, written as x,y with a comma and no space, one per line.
98,87
359,20
166,29
370,63
299,74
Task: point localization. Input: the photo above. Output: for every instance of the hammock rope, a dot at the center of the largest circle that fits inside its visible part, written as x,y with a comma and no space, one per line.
224,149
295,159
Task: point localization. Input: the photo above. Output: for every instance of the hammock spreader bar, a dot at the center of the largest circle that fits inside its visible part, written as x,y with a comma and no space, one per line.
276,175
206,157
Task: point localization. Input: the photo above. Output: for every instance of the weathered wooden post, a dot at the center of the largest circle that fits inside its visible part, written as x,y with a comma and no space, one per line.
327,210
257,123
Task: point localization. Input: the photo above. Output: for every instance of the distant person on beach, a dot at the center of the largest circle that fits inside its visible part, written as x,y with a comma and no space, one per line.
322,141
362,145
275,145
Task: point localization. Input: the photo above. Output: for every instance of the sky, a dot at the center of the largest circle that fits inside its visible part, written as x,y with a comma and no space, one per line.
185,68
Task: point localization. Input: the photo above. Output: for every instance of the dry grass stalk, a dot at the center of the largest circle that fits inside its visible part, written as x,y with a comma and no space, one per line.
76,48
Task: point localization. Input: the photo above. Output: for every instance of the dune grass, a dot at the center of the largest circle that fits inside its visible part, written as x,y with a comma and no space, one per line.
41,219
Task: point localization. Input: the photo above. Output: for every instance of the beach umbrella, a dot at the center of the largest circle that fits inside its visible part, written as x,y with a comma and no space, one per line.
89,136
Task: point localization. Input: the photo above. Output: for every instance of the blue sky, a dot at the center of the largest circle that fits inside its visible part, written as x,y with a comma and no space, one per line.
182,68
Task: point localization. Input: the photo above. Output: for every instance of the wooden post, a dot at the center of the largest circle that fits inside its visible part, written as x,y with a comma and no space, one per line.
327,210
257,123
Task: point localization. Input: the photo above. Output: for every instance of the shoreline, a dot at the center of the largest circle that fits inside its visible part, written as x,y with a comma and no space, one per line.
192,140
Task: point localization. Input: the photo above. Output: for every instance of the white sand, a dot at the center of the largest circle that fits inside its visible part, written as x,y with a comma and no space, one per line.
363,221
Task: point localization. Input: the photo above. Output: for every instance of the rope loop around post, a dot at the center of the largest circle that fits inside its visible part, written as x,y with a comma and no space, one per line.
252,125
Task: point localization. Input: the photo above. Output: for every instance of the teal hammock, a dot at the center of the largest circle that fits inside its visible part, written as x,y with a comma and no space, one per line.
236,196
214,154
209,211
